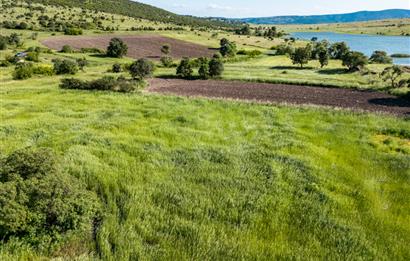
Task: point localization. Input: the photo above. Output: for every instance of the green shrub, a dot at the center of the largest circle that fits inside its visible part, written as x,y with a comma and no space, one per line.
43,69
23,71
117,48
141,69
65,66
82,62
116,68
203,70
354,61
91,50
284,49
32,57
380,57
67,49
39,203
104,84
73,31
167,61
216,67
227,48
184,69
3,42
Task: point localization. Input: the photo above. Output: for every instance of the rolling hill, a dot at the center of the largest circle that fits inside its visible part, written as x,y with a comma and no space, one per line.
136,10
331,18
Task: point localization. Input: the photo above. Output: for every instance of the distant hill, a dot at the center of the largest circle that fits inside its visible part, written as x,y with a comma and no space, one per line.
332,18
136,10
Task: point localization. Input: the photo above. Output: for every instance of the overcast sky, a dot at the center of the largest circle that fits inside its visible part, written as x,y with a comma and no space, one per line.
252,8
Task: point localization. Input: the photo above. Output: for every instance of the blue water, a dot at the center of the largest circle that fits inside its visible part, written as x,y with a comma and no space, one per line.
366,44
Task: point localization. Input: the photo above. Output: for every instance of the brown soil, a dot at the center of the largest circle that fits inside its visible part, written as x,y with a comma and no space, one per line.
139,46
281,93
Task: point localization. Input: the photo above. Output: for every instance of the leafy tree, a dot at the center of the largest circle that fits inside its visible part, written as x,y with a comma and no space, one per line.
65,66
67,49
166,49
23,71
354,60
184,69
392,74
245,30
117,48
284,49
380,57
323,56
203,70
141,69
339,50
216,67
166,61
228,48
301,55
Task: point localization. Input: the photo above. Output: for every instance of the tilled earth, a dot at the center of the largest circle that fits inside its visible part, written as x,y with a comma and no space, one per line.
139,46
282,93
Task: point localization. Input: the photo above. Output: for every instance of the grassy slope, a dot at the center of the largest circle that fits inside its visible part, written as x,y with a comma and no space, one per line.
385,27
196,179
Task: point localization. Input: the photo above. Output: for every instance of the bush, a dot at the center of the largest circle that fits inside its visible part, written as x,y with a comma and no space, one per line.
3,42
82,62
354,61
67,49
203,70
39,203
117,48
23,71
184,69
251,54
91,50
166,49
216,67
65,66
141,69
284,49
167,61
116,68
227,48
43,69
32,57
73,31
103,84
392,75
380,57
14,39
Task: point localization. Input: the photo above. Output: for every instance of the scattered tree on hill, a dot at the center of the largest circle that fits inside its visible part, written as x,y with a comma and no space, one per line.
284,49
354,61
216,67
380,57
141,69
228,48
117,48
67,49
392,74
245,30
323,56
167,61
338,50
301,55
184,69
14,39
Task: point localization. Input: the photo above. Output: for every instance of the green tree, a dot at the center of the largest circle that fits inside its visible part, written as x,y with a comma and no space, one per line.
380,57
184,69
339,50
166,49
301,55
203,70
216,67
23,71
141,69
3,42
354,61
227,48
65,66
117,48
82,62
323,56
392,74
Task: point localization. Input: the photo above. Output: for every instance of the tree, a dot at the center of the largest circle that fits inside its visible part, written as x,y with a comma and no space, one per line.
14,39
184,69
166,61
82,62
65,66
380,57
23,71
66,49
228,48
392,74
338,50
141,69
284,49
323,56
203,70
116,68
216,67
245,30
117,48
354,60
166,49
301,55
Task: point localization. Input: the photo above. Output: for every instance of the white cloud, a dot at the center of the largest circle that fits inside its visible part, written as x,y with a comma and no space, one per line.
220,7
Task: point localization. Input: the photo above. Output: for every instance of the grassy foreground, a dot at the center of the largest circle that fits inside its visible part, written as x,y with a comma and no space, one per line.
212,180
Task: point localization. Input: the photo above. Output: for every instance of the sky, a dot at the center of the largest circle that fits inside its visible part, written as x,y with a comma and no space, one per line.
260,8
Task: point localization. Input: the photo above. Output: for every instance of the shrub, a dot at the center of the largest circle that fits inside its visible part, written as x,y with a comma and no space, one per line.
227,48
216,67
32,57
284,49
392,74
166,49
91,50
67,49
65,66
23,71
167,61
380,57
82,62
3,42
141,69
41,204
116,68
14,39
43,69
184,69
104,84
203,70
73,31
354,61
117,48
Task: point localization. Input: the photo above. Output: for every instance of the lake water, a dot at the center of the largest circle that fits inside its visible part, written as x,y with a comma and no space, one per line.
366,44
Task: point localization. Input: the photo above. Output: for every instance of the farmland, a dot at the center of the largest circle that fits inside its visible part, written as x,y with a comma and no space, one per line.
267,160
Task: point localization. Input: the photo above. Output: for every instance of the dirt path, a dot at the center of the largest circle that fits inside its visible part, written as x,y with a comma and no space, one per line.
148,46
281,93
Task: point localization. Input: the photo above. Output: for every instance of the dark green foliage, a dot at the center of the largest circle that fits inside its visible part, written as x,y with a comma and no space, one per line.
284,49
166,49
14,39
216,67
380,57
65,66
392,74
104,84
92,50
38,203
32,57
301,55
203,70
67,49
400,55
116,68
184,69
404,83
338,50
252,53
117,48
3,42
141,69
82,62
73,31
227,48
354,61
167,61
245,30
323,56
23,71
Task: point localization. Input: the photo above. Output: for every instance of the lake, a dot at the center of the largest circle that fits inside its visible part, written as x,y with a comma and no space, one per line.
366,44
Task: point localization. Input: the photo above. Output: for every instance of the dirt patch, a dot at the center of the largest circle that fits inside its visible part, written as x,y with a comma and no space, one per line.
282,93
148,46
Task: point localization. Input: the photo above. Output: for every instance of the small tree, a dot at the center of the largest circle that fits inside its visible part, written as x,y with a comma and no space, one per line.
82,62
216,67
392,74
380,57
141,69
65,66
166,61
116,68
323,56
301,55
14,39
166,49
338,50
117,48
227,49
66,49
203,70
184,69
354,61
23,71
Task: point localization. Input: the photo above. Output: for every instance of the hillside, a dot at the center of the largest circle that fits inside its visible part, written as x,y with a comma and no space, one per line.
331,18
136,10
